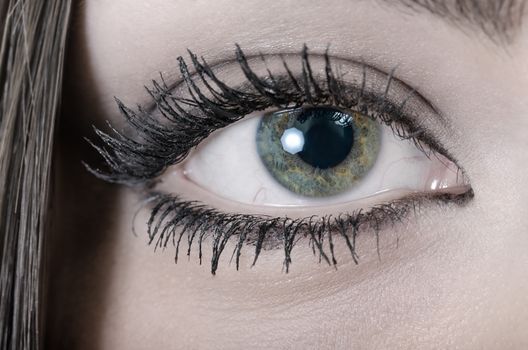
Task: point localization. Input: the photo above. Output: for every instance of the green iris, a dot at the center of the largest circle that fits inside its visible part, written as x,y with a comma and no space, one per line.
318,151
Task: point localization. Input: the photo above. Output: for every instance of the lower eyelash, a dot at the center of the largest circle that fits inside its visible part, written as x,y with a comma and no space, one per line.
172,219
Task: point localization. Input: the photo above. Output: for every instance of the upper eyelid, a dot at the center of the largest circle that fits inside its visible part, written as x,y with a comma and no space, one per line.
391,81
119,147
217,64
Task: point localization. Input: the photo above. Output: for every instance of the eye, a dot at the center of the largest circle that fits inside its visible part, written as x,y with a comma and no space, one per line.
338,153
316,156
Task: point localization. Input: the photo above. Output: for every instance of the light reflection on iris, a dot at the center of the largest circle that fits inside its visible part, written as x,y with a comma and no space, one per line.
292,140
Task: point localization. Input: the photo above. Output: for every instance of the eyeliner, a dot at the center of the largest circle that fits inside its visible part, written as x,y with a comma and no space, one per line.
180,121
159,141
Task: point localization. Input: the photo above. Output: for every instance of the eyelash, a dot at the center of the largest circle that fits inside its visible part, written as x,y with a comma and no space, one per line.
170,213
188,121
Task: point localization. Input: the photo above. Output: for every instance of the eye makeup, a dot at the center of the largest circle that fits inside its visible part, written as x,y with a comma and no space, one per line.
186,115
173,218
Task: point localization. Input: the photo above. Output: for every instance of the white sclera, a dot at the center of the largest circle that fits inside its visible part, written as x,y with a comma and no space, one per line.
228,165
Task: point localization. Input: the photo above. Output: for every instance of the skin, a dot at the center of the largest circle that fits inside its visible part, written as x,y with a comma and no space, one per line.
448,276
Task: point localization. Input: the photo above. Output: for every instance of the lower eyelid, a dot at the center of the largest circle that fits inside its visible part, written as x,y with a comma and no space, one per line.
371,214
176,221
176,182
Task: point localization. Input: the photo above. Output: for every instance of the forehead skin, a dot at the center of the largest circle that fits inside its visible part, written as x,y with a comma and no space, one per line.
458,276
500,20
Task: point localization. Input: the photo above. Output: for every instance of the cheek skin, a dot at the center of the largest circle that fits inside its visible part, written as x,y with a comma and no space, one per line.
448,277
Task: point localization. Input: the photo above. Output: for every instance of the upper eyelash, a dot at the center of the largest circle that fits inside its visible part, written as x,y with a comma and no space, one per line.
188,121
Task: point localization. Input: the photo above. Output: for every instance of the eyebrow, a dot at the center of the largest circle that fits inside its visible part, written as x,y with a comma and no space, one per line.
499,20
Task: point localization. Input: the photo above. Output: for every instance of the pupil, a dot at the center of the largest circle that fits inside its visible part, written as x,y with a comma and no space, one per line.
328,136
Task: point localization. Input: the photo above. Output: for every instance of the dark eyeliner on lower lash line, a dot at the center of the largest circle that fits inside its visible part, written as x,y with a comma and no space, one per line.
197,222
189,120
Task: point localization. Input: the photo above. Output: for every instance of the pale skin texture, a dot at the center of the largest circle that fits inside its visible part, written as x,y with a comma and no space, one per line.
458,276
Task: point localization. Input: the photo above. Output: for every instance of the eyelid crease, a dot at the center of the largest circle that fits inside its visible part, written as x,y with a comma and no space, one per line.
142,157
199,222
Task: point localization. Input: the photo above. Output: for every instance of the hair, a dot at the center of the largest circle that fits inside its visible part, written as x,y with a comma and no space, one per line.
33,37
